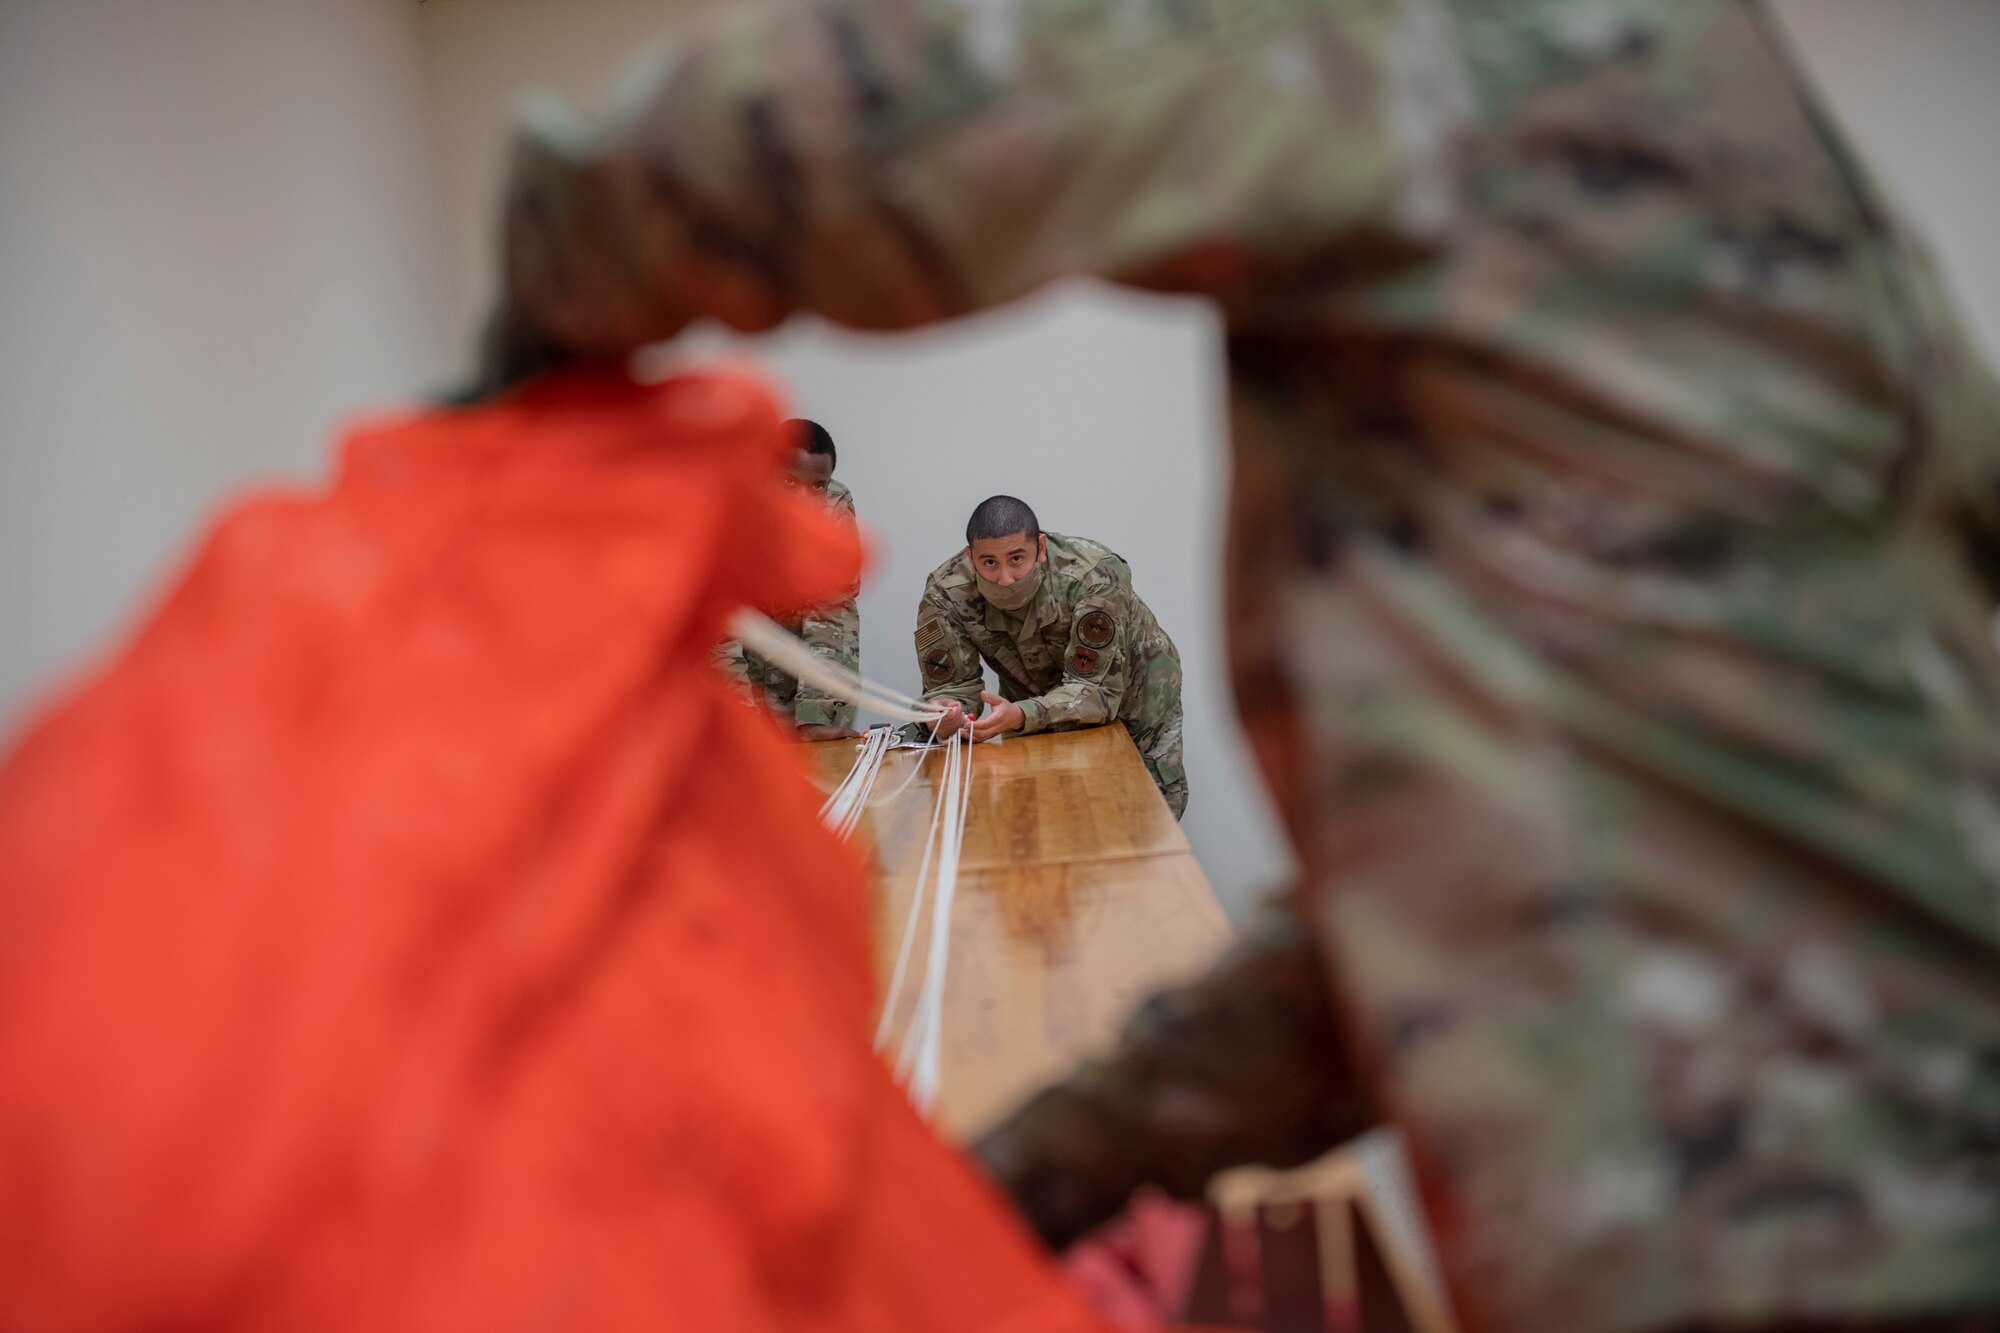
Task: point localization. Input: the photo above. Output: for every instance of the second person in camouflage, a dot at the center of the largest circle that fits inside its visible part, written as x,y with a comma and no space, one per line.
834,632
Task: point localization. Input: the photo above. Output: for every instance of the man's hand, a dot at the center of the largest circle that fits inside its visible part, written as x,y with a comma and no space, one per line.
1248,1064
1001,718
953,718
813,731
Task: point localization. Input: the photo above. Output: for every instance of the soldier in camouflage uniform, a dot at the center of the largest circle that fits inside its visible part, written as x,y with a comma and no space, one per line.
834,632
1614,513
1057,620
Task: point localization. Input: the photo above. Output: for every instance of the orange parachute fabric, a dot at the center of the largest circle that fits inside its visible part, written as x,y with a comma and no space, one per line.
409,930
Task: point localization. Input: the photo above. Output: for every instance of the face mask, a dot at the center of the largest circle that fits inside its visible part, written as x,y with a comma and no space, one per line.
1016,594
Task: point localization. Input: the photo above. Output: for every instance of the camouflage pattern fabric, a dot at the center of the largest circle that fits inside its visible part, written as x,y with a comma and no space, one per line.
834,632
1085,652
1612,527
1247,1066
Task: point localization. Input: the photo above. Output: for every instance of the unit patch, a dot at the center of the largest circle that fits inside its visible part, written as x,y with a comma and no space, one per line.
1095,630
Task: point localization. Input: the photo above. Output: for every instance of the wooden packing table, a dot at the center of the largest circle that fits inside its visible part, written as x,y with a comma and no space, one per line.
1078,896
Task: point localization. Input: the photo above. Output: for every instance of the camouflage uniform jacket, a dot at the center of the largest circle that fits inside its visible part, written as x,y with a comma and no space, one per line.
1613,507
1085,652
834,632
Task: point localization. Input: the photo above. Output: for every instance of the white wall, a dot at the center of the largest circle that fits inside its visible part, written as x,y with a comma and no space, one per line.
218,232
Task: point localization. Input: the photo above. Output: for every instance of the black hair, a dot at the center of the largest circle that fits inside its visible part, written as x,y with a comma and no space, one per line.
813,439
1001,516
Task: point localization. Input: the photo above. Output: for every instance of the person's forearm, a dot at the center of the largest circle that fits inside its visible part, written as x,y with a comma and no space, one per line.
1245,1065
833,632
772,136
1074,703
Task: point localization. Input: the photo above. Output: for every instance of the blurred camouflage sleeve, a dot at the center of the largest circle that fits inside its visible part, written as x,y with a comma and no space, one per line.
1244,1066
1095,672
892,162
834,632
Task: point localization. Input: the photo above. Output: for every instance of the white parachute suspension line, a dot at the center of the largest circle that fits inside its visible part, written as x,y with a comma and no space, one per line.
923,1043
924,1083
916,1035
843,809
874,749
784,651
916,768
918,1062
916,912
839,795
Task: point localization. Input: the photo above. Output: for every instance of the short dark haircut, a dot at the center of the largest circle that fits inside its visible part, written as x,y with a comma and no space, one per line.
1001,516
813,439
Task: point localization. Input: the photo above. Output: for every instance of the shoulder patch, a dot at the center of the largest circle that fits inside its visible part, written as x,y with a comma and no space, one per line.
1095,630
1084,661
932,650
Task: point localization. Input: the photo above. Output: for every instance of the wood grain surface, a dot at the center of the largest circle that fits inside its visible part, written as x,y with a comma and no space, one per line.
1078,896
